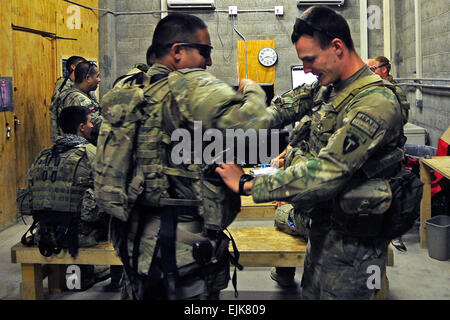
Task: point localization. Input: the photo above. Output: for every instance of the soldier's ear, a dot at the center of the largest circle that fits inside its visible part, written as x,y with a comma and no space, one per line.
338,46
81,128
175,51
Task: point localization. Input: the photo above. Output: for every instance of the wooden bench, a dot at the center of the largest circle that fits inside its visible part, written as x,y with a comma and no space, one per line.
35,267
258,247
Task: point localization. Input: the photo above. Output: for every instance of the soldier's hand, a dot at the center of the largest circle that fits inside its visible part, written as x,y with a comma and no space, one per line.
277,162
230,174
279,204
243,83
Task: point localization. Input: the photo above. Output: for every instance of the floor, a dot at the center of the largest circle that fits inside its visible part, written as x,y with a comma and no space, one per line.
414,276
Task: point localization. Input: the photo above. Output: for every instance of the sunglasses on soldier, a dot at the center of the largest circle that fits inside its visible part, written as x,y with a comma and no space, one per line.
378,67
203,49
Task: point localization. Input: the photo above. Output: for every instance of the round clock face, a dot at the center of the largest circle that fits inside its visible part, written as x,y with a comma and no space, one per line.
267,56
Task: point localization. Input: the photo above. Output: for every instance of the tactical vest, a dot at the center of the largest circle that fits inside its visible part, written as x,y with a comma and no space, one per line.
53,181
316,131
369,206
54,198
133,159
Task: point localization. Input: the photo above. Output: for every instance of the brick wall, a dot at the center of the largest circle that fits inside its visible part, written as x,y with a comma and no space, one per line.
124,40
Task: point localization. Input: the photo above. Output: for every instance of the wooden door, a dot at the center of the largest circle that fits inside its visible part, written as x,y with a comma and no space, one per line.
7,145
34,74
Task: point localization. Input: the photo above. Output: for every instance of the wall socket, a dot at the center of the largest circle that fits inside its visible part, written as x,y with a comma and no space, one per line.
279,10
232,10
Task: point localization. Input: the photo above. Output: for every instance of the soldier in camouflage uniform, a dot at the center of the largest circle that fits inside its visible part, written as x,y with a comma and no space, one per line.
62,83
352,131
90,227
381,66
87,78
182,48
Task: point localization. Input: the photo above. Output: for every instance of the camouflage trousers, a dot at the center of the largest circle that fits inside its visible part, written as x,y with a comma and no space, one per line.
337,266
194,282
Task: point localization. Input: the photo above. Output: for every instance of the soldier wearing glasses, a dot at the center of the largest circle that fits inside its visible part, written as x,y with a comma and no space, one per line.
159,262
87,78
381,66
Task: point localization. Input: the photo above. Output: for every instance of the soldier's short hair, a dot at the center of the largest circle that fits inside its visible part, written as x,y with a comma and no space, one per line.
176,27
73,60
150,56
323,24
84,69
70,118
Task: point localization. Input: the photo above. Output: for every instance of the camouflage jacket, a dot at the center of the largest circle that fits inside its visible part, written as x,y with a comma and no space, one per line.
58,84
55,131
93,222
76,97
335,143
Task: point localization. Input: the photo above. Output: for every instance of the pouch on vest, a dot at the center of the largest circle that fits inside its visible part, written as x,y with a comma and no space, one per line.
23,200
407,192
220,206
360,211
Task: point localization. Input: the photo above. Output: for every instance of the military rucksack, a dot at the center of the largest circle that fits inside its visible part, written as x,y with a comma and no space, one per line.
54,198
132,162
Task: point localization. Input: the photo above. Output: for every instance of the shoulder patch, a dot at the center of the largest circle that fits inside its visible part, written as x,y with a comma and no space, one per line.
365,123
351,143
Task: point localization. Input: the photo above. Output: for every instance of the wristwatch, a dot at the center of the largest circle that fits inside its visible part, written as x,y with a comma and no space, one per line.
244,178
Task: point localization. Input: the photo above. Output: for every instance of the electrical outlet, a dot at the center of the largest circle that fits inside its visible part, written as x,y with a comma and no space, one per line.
232,10
279,10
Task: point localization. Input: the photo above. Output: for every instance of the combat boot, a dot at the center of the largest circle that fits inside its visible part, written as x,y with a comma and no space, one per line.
284,276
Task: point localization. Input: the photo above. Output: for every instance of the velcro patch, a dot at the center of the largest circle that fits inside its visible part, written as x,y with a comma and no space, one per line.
366,124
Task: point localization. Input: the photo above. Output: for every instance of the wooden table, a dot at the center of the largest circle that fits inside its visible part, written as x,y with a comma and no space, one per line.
441,165
250,209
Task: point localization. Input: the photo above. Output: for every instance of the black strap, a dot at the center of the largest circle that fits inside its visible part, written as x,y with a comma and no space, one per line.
154,273
234,259
157,77
167,238
64,83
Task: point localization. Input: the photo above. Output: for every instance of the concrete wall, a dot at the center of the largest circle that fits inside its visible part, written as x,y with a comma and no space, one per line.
124,39
435,114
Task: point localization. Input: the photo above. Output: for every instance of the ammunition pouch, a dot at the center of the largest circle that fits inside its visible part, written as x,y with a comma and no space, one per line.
407,192
220,205
359,212
24,201
385,208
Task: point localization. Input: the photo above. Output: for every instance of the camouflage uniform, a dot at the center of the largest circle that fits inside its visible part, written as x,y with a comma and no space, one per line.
73,96
93,224
196,96
337,146
55,131
58,84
